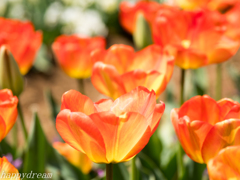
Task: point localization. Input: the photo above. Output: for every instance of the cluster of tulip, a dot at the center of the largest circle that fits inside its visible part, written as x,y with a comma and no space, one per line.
201,33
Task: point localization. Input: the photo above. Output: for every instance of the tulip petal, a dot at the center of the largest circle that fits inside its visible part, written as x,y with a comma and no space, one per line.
2,129
223,134
106,80
230,109
152,80
8,108
122,134
79,131
202,108
190,134
118,55
139,100
7,170
103,105
73,54
225,165
76,102
158,112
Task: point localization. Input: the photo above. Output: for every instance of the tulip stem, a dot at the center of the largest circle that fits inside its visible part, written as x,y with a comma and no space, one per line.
182,86
134,169
109,171
20,114
15,135
180,166
81,86
219,82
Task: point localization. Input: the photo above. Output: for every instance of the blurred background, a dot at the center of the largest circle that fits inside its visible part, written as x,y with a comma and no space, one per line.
92,18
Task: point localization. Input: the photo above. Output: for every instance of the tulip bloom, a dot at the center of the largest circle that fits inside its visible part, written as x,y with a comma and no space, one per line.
204,126
109,131
8,112
233,17
22,41
7,170
75,157
225,165
121,69
73,54
128,13
195,39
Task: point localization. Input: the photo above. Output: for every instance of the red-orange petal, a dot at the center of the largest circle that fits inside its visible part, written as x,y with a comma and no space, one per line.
8,108
106,80
223,134
7,170
73,54
121,134
202,108
103,105
225,165
230,109
22,41
79,131
153,80
191,134
2,129
77,102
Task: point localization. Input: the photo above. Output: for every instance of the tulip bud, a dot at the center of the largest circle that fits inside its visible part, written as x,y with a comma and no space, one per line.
142,34
10,76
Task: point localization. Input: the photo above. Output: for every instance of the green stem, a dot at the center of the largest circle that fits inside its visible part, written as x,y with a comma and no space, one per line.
219,82
134,169
15,135
182,86
180,166
20,114
109,171
81,86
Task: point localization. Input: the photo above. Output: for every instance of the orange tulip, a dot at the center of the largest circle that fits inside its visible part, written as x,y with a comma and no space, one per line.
73,54
8,112
22,41
204,126
121,69
75,157
109,131
211,4
225,165
233,17
128,13
195,39
7,170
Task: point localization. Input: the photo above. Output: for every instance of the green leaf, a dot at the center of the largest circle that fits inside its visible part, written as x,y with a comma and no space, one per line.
153,149
142,35
5,148
35,157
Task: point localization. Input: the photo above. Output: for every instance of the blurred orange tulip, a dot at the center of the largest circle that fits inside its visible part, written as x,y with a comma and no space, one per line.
204,126
7,170
75,157
8,112
73,54
220,5
22,41
121,69
233,17
225,166
109,131
195,39
128,13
